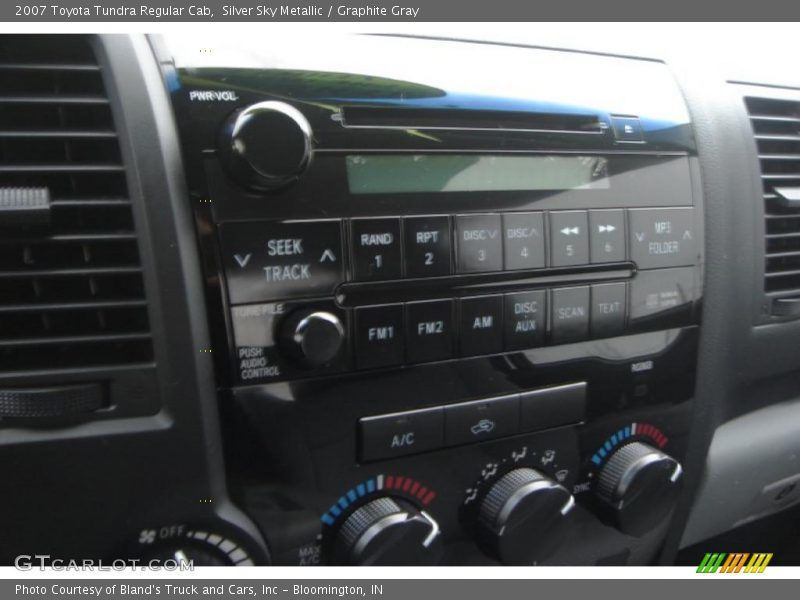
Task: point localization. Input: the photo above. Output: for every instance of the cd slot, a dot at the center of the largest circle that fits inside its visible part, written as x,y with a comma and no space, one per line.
409,290
490,120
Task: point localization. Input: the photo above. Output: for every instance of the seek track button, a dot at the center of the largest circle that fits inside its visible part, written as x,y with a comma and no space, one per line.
275,260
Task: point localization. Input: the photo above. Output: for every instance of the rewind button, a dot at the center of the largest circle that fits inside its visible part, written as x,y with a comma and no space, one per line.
569,239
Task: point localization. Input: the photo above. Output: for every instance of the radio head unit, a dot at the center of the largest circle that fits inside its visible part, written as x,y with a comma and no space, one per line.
479,266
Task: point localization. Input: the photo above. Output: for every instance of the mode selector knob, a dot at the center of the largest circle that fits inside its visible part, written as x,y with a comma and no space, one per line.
266,145
313,338
388,532
638,486
523,517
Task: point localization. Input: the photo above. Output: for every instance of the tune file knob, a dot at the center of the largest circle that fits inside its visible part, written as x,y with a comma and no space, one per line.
312,337
523,517
388,532
638,486
266,145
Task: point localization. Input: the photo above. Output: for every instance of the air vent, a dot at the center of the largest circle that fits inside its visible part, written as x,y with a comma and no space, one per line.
776,128
71,285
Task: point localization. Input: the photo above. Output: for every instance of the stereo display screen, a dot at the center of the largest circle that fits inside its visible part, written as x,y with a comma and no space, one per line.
405,173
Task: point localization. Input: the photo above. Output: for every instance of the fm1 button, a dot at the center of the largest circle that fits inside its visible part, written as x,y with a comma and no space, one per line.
523,239
662,237
472,422
376,249
398,434
273,260
607,235
427,246
379,336
429,330
524,319
481,325
608,309
480,244
569,238
569,314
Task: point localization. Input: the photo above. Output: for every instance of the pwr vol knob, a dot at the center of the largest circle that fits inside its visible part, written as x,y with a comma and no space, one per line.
266,145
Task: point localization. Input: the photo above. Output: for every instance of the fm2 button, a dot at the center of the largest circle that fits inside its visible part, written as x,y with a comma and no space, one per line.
399,434
480,244
427,246
274,260
430,330
376,249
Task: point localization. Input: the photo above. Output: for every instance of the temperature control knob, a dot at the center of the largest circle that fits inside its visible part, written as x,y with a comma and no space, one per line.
522,518
638,486
266,145
312,337
388,532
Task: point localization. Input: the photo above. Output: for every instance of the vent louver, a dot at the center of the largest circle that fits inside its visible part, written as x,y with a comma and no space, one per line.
71,286
776,128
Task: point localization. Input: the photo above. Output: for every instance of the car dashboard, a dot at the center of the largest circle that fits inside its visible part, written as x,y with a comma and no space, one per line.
413,301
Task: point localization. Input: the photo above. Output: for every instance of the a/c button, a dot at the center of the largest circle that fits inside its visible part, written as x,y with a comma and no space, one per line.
398,434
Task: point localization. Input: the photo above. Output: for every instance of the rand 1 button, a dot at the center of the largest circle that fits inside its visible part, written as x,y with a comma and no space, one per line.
471,422
569,238
524,316
480,243
569,314
609,303
523,240
429,330
481,325
662,237
662,297
552,406
376,248
607,235
399,434
428,246
379,336
274,260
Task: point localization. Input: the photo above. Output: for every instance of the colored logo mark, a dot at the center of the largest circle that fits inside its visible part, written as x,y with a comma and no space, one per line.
734,562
